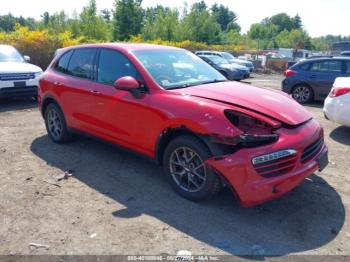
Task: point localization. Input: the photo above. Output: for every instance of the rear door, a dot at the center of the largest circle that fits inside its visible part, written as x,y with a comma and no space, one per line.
322,74
76,88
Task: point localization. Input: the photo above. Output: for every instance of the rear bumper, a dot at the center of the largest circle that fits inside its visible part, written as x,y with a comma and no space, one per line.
287,86
253,188
337,109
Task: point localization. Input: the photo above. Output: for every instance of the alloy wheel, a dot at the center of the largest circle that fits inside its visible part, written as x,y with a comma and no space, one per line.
54,123
187,169
302,94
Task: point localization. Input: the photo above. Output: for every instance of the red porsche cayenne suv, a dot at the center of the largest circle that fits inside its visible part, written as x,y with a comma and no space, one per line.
171,106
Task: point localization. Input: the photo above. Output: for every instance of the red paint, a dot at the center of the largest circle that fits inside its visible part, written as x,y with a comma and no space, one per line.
137,123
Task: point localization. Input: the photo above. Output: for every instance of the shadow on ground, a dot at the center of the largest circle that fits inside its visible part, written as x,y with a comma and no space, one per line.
341,134
13,104
305,219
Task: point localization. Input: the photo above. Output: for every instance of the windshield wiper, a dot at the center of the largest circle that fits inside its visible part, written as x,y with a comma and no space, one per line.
197,84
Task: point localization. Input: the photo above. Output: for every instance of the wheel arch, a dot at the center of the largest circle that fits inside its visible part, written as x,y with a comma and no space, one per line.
46,101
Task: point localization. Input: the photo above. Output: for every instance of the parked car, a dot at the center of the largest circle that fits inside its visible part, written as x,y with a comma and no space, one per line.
229,57
230,71
312,79
207,132
345,53
337,104
17,76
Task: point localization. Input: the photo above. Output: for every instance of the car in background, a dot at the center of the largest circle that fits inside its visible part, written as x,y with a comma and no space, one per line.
17,76
312,79
345,53
337,104
230,58
230,71
168,104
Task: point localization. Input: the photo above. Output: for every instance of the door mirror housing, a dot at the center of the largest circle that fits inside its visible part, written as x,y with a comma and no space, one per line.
128,83
26,58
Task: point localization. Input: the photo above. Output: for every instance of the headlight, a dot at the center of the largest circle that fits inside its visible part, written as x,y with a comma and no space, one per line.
38,74
255,131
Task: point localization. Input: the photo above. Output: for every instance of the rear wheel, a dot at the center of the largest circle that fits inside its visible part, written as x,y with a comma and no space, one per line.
56,124
185,168
303,94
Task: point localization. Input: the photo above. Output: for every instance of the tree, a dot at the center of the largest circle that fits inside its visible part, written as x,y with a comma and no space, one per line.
127,19
199,25
225,17
163,25
93,26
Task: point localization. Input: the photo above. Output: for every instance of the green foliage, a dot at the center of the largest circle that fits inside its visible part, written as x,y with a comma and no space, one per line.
195,27
127,19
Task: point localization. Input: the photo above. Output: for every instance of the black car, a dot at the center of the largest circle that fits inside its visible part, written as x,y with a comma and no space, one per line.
312,79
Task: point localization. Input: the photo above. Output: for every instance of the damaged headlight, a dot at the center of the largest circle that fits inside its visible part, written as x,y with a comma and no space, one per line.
255,131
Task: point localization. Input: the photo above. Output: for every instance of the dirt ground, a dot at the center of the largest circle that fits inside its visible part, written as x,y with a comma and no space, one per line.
117,202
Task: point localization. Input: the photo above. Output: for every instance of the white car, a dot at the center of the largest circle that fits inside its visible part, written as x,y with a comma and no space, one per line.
17,76
337,104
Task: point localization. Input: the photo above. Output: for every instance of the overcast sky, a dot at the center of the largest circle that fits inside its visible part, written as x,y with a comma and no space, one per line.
320,17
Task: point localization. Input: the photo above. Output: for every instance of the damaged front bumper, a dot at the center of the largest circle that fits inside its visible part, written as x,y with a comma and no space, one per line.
255,184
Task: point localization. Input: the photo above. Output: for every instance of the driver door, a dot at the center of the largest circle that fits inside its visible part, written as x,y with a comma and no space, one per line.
119,116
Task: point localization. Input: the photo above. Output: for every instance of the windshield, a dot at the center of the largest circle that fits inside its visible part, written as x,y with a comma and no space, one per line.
10,54
227,56
217,60
177,68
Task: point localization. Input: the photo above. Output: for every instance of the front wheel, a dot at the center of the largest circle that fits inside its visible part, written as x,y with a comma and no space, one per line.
184,165
303,94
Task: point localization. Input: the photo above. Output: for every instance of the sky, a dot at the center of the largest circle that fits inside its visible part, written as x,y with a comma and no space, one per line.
320,17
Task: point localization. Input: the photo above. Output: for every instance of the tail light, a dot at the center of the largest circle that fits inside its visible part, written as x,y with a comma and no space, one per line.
338,91
289,72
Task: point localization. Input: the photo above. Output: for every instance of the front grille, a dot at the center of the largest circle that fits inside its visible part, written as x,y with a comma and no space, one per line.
276,167
312,150
17,76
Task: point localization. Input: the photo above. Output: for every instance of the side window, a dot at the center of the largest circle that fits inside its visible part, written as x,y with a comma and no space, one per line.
305,67
319,66
347,68
62,64
327,66
81,63
335,66
113,65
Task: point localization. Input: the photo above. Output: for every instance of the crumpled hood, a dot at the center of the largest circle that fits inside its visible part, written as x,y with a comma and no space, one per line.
17,67
269,102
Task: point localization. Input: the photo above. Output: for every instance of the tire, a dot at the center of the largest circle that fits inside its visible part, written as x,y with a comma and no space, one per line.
303,94
192,180
55,123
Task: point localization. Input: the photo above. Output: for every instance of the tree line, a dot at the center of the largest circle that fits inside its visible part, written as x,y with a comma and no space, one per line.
127,20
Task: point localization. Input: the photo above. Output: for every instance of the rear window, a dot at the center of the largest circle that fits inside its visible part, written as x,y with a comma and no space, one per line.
81,63
303,67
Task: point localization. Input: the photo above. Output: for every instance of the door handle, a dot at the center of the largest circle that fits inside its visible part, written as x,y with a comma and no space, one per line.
57,83
95,92
313,76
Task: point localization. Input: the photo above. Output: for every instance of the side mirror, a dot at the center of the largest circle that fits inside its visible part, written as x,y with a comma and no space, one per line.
128,83
26,58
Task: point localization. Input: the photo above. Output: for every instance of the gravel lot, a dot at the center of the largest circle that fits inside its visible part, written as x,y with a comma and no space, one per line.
117,202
